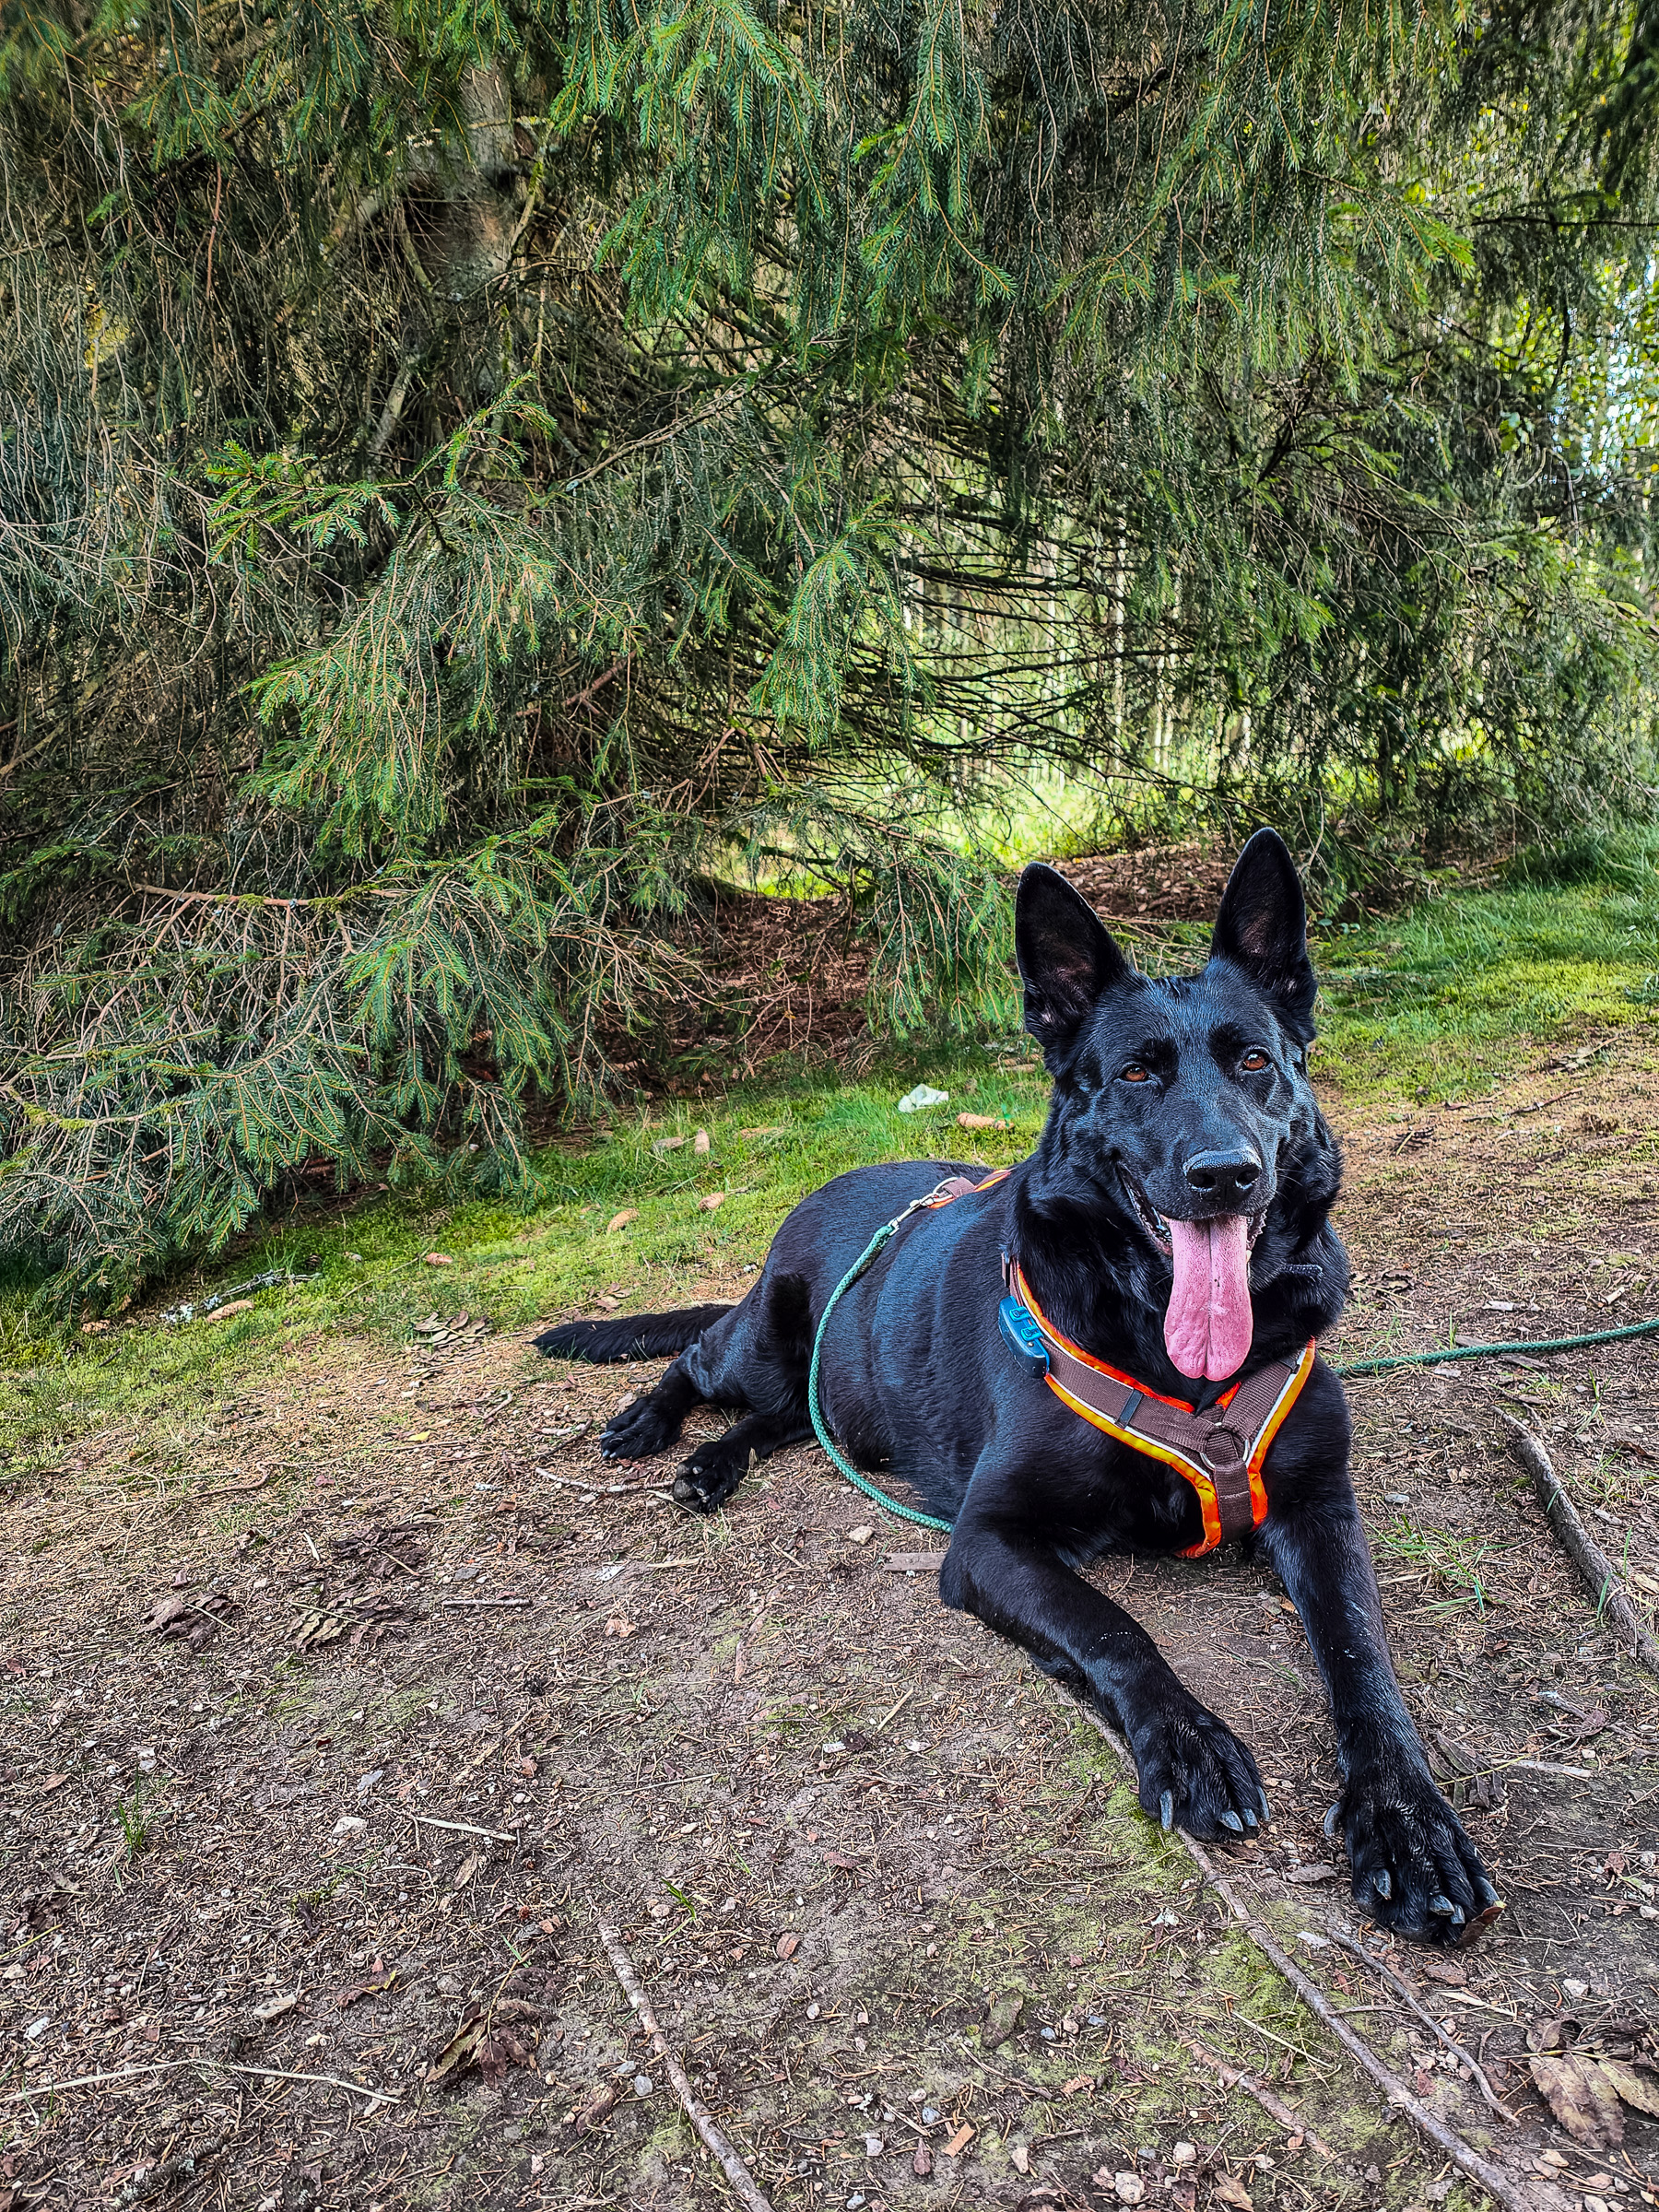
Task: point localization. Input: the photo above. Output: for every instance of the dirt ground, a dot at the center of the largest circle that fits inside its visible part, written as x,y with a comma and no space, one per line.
341,1714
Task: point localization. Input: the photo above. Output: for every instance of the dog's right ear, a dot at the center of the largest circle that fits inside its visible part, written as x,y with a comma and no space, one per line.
1066,959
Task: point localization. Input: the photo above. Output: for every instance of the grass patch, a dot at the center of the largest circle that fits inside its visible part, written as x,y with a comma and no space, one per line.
1443,1001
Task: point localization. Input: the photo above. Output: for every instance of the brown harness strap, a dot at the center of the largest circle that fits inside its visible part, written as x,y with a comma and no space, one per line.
1219,1452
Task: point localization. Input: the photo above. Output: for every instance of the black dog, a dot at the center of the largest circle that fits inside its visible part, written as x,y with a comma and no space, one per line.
1172,1220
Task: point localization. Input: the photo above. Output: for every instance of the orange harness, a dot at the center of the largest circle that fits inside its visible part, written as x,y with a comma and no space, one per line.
1221,1451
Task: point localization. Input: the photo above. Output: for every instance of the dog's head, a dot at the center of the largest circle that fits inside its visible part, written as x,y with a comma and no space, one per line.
1184,1104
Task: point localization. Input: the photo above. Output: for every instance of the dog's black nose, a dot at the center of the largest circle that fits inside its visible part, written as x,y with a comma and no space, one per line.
1227,1176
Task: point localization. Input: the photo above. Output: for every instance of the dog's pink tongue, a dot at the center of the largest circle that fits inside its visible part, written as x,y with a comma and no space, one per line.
1208,1325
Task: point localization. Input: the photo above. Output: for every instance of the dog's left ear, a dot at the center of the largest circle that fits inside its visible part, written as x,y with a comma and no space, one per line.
1263,925
1066,959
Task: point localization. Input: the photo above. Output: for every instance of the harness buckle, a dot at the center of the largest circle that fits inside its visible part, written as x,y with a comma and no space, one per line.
1223,1452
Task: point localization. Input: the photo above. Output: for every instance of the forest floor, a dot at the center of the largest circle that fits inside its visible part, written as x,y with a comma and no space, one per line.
346,1696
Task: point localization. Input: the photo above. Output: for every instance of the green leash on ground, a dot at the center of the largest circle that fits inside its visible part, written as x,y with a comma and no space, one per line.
889,1230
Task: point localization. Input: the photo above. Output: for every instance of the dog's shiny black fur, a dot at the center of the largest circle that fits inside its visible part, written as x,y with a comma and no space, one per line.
916,1379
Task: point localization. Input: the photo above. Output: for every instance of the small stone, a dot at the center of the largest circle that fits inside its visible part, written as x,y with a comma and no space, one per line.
930,2115
1128,2188
349,1824
1576,1989
921,2164
812,2012
861,1534
1186,2154
1020,2157
789,1943
874,2146
641,2085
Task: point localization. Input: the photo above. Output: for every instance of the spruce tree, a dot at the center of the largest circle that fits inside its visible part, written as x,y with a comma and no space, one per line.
467,477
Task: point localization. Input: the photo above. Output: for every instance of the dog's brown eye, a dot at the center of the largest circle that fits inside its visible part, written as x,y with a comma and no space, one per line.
1253,1062
1135,1073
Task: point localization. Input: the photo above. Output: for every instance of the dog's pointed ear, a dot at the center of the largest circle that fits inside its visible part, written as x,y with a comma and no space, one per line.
1066,959
1263,925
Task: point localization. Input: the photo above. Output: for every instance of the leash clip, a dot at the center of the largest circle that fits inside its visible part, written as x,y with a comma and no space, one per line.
1022,1336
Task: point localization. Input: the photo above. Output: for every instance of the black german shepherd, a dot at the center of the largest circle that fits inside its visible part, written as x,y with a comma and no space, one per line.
1173,1220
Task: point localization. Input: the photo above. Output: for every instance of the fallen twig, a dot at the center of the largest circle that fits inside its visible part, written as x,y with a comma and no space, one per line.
1492,2179
217,2066
232,1489
1274,2107
1404,1989
701,2119
603,1490
462,1828
511,1601
1594,1568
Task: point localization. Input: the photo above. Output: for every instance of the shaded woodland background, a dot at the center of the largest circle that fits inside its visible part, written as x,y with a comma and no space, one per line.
471,482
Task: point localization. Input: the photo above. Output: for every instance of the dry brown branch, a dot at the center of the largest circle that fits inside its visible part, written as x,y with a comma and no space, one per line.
735,2171
1492,2179
1274,2107
1404,1991
1594,1568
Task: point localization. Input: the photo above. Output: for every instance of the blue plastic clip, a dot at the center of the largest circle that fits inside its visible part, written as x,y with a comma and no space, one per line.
1022,1335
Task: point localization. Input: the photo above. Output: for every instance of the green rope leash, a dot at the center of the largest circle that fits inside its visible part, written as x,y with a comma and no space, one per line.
1494,1351
879,1243
865,1260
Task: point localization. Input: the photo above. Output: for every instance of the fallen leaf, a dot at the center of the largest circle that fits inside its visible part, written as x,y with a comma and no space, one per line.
789,1943
235,1305
983,1120
700,1143
1020,2158
53,1782
381,1976
707,1205
461,2049
617,1626
767,1129
274,2007
1078,2081
468,1868
1442,1970
95,1328
439,1259
1234,2194
1002,2019
1311,1873
1580,2097
960,2140
921,2164
667,1144
621,1221
591,2115
1638,2089
839,1858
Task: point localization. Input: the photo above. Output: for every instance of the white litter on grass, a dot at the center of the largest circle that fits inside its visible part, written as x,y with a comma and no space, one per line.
924,1095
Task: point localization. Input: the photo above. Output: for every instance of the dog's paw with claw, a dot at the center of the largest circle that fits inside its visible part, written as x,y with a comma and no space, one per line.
710,1475
1415,1870
1194,1773
638,1432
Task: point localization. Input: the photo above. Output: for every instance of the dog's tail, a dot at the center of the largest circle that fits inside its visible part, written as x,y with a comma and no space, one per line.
630,1336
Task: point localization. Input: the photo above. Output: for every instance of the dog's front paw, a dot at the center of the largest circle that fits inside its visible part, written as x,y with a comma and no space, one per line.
710,1475
638,1432
1194,1773
1415,1870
